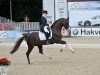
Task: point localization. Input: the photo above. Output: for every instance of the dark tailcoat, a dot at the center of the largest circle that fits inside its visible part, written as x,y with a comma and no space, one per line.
43,23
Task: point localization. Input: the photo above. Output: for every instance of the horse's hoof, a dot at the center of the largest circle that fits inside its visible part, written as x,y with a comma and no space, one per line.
50,58
61,50
72,51
11,53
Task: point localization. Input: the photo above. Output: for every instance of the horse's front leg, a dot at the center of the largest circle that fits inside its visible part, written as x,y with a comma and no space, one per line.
66,45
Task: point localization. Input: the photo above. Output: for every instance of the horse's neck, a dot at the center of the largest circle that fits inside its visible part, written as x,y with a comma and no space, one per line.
56,28
56,31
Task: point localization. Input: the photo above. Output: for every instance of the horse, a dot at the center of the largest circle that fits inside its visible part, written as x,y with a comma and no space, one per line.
32,39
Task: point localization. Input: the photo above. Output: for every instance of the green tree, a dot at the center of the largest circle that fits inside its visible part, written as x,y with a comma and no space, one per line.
21,8
4,8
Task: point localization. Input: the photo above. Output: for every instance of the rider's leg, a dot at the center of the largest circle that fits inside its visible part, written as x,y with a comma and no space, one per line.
47,38
46,34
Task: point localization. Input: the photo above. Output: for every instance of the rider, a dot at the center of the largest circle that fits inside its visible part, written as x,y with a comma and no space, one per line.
43,23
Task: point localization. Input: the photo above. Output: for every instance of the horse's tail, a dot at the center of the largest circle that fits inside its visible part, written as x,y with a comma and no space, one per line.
17,44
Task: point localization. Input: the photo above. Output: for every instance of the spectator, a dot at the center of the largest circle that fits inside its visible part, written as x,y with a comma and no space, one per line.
26,19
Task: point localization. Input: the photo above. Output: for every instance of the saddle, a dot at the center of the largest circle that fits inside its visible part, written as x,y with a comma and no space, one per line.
46,30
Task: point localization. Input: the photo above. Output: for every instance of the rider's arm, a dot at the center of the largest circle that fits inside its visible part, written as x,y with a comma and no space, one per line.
43,20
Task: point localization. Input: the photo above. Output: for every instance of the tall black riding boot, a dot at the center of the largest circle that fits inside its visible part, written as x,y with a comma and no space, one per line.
47,38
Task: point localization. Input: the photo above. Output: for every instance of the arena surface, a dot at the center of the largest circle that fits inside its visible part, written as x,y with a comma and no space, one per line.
85,60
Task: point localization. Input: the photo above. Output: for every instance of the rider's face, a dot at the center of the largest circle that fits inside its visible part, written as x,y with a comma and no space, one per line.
45,14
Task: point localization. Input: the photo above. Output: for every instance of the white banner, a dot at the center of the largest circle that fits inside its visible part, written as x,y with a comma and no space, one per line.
60,9
84,18
56,9
85,31
49,6
86,13
86,5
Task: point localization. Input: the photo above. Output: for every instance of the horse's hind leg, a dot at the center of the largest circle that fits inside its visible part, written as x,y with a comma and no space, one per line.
30,47
41,52
40,49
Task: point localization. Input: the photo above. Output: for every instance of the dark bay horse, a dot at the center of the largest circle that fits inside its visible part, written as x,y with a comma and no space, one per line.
33,38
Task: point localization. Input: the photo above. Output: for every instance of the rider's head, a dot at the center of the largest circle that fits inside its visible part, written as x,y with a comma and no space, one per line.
44,12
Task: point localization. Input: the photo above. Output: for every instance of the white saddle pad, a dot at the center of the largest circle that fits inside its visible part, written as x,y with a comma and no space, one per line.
42,35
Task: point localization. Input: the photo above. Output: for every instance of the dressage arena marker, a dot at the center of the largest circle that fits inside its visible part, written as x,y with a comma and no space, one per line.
54,45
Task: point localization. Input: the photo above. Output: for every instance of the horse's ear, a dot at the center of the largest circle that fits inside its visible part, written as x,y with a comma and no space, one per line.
68,18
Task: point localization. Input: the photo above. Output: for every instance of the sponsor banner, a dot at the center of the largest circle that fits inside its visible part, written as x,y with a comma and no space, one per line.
60,9
84,18
12,35
56,9
85,31
86,5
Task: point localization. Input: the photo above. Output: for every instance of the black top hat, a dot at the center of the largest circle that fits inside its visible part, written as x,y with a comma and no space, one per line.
44,11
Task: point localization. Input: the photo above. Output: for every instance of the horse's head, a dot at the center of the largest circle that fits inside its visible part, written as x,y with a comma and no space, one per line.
62,22
65,23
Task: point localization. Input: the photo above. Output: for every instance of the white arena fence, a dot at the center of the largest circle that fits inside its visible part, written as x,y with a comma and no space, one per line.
20,26
7,24
27,26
